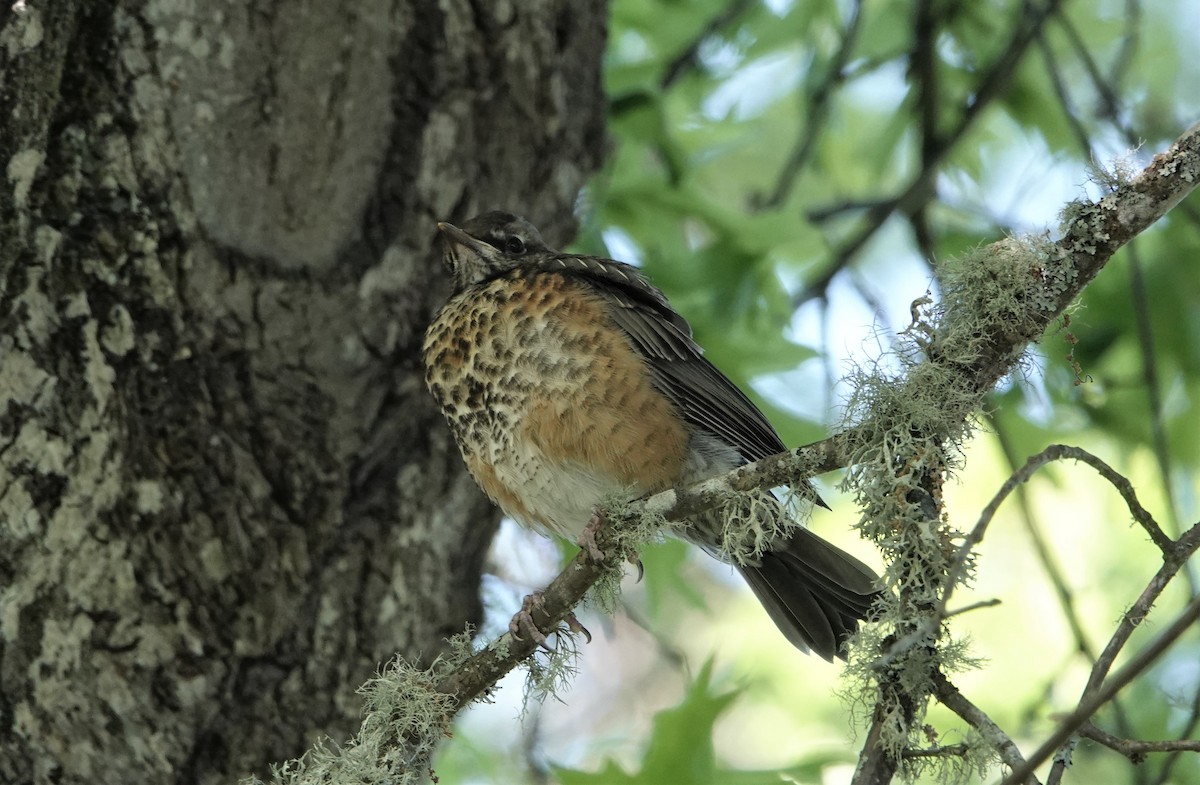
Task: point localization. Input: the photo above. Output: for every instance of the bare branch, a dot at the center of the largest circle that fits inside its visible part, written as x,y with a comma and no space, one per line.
947,751
687,59
920,190
816,111
958,703
1173,561
1042,549
1083,712
1055,452
1135,749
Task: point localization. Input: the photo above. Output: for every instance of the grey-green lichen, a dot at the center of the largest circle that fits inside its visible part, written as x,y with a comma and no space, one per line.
405,716
912,412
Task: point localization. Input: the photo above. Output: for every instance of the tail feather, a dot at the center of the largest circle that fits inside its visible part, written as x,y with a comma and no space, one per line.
814,592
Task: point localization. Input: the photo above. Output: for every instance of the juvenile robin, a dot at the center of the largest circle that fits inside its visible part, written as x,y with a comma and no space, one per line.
569,380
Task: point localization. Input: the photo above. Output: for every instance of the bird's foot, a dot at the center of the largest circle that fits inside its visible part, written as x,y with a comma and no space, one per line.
587,541
587,537
522,624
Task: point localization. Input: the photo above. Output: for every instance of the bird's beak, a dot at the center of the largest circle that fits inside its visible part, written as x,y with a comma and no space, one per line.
468,259
457,236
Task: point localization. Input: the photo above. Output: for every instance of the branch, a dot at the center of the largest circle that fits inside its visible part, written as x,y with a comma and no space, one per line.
919,191
1092,704
1175,555
994,303
686,59
1050,565
958,703
1174,559
1055,452
1134,749
817,112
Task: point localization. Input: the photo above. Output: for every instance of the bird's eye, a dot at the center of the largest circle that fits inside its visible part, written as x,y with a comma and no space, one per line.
514,245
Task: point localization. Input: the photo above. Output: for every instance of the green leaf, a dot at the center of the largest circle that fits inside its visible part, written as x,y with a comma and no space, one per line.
680,750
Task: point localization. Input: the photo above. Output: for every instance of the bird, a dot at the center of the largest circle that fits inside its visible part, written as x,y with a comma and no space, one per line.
568,380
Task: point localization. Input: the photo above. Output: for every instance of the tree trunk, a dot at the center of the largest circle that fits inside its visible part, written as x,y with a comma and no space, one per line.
225,497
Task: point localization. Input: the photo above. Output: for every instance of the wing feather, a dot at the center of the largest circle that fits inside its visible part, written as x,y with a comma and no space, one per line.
706,398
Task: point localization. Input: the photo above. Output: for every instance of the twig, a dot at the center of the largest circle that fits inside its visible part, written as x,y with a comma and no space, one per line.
1054,452
817,111
945,751
1134,749
955,701
1042,549
686,59
1189,728
1173,561
1153,381
992,603
1092,704
920,189
1053,571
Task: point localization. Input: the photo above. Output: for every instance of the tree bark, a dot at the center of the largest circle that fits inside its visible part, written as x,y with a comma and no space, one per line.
225,498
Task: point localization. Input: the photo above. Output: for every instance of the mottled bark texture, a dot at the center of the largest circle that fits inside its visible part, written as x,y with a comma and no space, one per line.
225,498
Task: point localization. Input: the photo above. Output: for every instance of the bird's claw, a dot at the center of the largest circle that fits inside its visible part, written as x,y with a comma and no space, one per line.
574,626
632,557
522,623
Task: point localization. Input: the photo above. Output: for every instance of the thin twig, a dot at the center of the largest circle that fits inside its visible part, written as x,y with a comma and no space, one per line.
1069,726
920,189
992,603
1173,561
1050,566
1189,728
1134,749
817,111
993,734
1054,452
1054,70
944,751
687,58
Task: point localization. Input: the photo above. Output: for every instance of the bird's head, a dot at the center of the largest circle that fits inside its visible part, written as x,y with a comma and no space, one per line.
489,245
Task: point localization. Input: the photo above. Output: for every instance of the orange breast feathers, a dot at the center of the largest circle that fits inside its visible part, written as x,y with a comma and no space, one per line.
610,418
569,415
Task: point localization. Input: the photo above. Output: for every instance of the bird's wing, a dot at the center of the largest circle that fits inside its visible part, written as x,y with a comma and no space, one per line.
706,398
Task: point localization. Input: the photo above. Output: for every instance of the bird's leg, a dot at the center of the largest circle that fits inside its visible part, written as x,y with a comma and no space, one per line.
522,622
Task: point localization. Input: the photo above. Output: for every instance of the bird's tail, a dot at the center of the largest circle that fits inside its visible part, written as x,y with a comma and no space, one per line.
814,592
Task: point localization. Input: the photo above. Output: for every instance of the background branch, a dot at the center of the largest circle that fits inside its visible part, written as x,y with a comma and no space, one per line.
1134,749
1099,697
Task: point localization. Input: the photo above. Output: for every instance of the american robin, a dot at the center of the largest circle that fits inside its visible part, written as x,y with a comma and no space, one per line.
568,380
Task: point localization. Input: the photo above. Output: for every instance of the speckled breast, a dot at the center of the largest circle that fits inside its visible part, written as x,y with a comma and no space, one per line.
550,404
